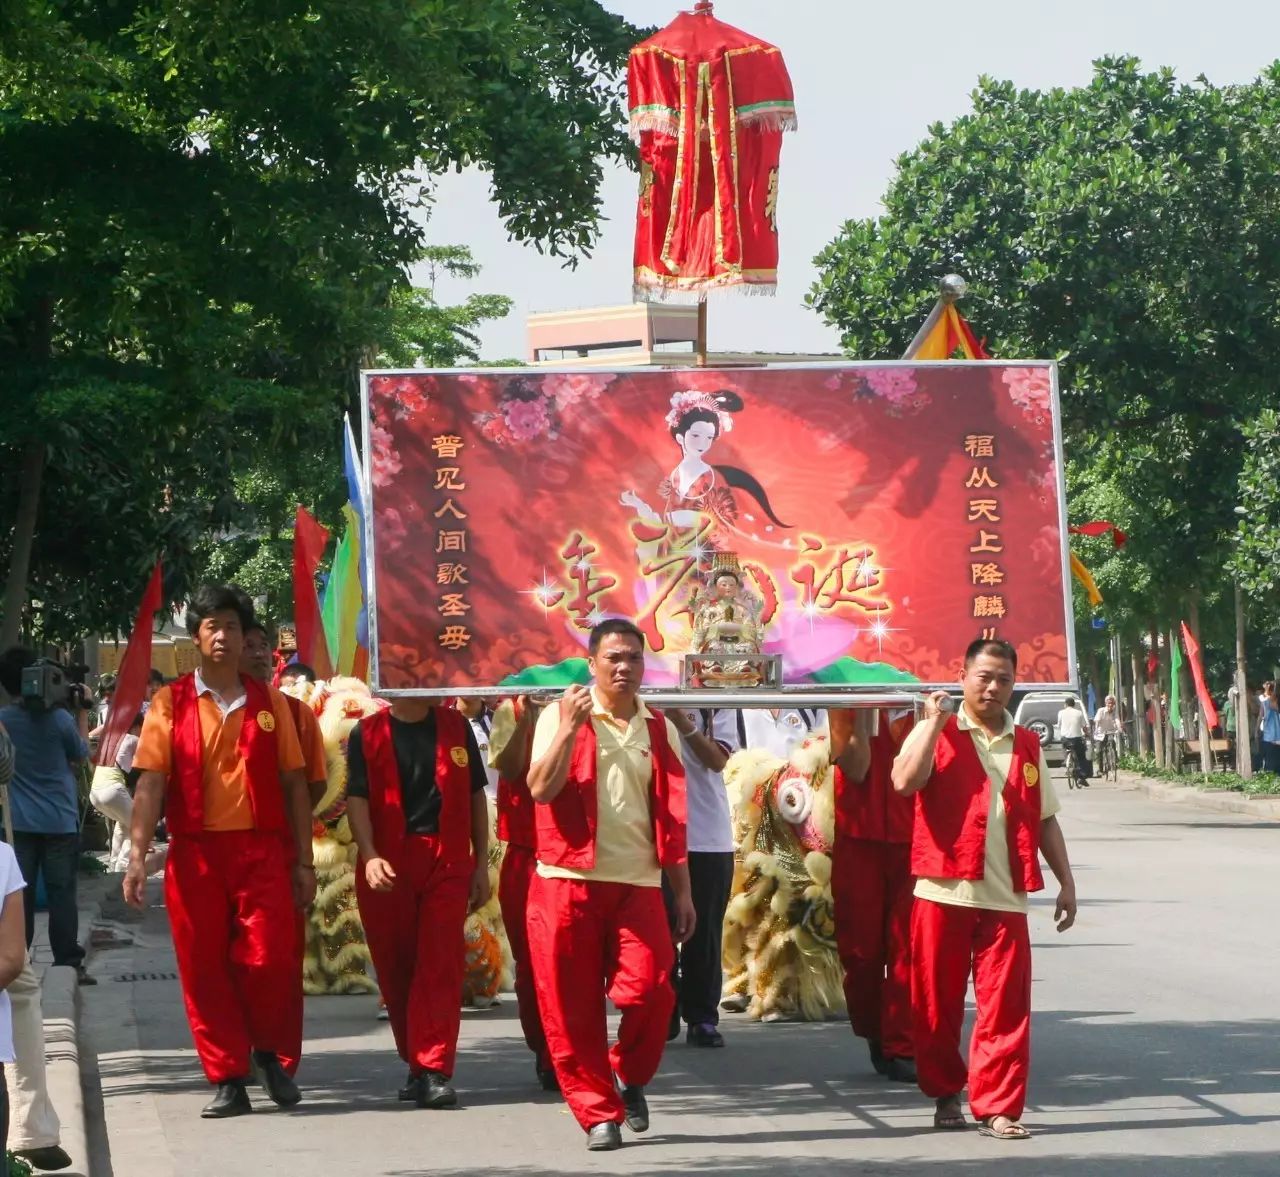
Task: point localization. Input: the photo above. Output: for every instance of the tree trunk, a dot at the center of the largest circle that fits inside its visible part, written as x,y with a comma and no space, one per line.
1139,702
1243,733
24,531
1202,719
1157,725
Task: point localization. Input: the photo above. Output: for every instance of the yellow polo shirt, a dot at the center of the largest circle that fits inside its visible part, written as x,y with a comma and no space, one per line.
625,847
994,891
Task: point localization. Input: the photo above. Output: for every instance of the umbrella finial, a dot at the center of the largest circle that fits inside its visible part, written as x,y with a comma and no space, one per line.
703,8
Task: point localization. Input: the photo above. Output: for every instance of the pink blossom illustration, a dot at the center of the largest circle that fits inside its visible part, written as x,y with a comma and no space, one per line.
385,462
493,428
526,419
568,389
1046,551
897,386
391,528
1028,389
405,394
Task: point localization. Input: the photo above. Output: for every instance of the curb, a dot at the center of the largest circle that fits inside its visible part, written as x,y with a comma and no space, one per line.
1211,800
61,999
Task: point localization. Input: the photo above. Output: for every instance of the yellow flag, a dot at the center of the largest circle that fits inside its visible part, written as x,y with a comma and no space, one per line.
1085,577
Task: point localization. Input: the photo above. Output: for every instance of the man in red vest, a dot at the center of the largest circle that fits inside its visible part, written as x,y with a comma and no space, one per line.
257,661
985,810
510,748
420,819
871,886
220,756
609,787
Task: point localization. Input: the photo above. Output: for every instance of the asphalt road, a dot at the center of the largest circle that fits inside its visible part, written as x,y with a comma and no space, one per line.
1155,1052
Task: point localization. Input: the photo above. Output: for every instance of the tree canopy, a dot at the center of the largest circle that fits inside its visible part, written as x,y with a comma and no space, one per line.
207,217
1129,229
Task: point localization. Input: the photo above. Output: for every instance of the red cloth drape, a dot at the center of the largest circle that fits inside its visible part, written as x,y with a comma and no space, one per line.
309,539
708,106
135,670
1197,673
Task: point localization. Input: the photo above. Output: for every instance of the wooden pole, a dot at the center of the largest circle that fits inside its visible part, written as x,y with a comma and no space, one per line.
700,350
1202,720
1139,703
1244,733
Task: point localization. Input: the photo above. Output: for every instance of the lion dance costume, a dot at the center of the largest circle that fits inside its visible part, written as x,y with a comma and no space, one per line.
780,959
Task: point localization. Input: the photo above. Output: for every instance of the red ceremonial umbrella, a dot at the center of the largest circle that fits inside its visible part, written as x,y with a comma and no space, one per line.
708,107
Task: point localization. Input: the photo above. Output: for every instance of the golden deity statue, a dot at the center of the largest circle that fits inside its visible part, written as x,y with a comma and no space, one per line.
726,621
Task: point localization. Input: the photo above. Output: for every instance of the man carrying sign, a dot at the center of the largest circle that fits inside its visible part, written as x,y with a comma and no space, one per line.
984,813
609,787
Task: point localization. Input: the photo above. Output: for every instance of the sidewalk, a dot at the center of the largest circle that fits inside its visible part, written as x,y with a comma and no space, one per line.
1214,800
60,1001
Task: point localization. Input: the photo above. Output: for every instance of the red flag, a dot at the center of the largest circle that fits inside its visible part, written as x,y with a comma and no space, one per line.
135,670
309,539
1197,673
1101,527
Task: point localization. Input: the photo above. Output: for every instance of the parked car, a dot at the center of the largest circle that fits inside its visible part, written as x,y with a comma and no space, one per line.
1038,710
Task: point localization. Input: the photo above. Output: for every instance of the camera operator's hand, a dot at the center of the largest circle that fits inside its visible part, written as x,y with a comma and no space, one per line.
135,882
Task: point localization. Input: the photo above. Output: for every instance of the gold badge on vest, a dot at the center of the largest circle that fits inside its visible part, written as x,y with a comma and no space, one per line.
1031,774
460,757
266,721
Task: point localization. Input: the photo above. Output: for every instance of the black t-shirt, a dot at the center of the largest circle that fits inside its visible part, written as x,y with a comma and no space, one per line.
415,748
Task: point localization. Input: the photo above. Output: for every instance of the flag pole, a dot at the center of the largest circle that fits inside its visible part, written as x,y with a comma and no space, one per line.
951,290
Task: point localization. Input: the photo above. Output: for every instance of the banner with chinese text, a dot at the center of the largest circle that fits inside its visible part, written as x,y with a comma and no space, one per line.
884,514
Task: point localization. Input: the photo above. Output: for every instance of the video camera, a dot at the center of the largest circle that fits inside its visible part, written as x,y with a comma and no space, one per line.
47,684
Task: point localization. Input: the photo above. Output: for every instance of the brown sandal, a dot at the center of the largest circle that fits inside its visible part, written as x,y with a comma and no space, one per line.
1012,1130
948,1115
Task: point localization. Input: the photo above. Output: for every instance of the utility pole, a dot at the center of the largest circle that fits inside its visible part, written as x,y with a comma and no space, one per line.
1244,734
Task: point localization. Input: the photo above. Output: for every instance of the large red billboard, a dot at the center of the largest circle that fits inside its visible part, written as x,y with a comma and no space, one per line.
884,515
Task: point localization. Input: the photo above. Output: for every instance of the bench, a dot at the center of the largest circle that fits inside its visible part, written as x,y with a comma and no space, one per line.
1219,752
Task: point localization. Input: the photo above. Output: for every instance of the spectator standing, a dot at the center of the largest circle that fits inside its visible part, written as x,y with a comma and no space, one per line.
1270,728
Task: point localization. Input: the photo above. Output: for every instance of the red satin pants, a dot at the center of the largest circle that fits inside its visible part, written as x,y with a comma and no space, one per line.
589,940
947,943
415,936
238,939
871,885
519,864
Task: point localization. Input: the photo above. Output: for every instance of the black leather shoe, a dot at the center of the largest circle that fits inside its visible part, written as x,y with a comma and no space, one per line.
878,1060
274,1079
673,1026
434,1091
547,1079
412,1085
704,1034
604,1137
636,1107
232,1099
900,1070
47,1159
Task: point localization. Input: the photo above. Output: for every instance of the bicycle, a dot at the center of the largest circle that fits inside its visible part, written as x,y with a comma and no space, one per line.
1071,765
1108,759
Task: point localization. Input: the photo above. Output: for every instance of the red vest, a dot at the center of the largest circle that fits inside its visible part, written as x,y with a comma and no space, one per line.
950,835
567,826
871,809
517,824
386,804
184,798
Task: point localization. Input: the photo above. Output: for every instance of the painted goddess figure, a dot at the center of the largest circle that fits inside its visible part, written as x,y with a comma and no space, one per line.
696,492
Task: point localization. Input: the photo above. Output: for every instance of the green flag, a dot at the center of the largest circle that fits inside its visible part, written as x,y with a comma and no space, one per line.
1175,685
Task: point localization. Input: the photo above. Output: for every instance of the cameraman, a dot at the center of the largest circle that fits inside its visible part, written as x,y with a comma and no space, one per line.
44,804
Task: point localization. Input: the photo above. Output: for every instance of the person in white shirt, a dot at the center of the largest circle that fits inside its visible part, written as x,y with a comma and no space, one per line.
706,740
13,959
480,716
780,731
1107,720
1071,728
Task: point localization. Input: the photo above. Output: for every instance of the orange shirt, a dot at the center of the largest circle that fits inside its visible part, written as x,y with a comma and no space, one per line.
312,744
226,792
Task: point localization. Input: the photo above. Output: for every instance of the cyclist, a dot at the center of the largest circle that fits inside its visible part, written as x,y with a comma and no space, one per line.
1106,725
1071,728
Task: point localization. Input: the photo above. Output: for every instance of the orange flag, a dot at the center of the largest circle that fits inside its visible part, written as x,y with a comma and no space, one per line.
135,669
1197,673
309,539
950,333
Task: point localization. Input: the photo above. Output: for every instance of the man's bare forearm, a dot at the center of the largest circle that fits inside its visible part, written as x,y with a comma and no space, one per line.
298,798
361,827
914,765
1053,845
548,775
148,804
480,826
678,877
